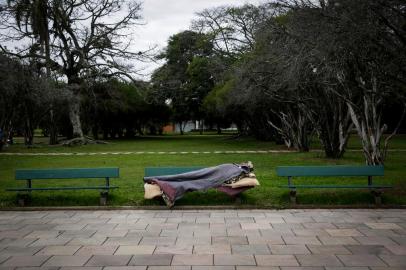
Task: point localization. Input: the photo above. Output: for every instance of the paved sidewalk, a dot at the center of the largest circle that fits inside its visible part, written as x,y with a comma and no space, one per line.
200,240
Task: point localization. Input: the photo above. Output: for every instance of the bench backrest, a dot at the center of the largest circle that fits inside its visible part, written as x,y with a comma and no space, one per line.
67,173
330,171
156,171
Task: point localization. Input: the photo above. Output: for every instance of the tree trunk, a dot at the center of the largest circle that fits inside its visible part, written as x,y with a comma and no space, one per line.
1,137
370,135
105,134
29,133
95,132
74,115
201,127
334,130
295,129
53,133
74,85
181,128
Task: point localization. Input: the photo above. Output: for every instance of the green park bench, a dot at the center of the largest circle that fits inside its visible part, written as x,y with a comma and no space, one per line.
157,171
63,174
342,171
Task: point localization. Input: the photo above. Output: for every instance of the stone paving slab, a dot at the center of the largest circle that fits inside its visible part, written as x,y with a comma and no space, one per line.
299,239
109,260
65,260
155,259
16,261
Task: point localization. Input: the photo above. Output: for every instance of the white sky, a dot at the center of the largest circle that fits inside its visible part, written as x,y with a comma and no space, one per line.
165,18
168,17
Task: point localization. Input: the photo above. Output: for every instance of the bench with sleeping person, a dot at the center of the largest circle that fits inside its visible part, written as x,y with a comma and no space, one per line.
171,183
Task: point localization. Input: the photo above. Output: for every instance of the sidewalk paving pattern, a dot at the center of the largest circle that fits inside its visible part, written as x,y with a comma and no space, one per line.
204,240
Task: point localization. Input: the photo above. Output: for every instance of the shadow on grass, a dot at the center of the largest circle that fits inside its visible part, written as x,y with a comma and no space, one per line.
210,198
333,197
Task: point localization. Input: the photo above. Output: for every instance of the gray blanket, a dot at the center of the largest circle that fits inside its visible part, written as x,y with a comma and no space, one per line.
175,186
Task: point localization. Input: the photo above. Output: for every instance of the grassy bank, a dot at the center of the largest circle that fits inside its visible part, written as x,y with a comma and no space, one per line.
132,166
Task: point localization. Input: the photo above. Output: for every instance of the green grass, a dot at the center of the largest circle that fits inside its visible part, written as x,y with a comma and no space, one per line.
179,143
132,166
155,143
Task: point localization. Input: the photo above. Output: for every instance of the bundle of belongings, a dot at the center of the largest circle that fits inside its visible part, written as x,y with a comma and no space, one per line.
231,179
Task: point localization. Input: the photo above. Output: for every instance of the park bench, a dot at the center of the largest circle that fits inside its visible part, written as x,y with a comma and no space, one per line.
342,171
64,174
157,171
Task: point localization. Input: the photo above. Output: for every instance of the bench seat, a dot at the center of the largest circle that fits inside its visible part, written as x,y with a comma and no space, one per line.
60,188
336,186
158,171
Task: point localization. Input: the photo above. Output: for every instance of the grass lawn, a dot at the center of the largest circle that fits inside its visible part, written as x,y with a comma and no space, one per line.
178,143
132,166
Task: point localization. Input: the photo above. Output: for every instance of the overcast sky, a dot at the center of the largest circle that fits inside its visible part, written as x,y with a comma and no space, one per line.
164,18
167,17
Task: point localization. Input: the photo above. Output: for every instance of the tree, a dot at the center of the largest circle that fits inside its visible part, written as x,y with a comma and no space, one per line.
184,80
120,109
35,14
325,67
24,98
270,89
216,108
368,64
87,40
201,83
357,52
231,29
308,41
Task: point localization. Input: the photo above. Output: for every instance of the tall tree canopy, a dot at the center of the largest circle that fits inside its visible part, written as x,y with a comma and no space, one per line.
185,79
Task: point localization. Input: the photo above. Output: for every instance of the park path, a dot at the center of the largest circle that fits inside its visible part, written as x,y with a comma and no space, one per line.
167,152
204,240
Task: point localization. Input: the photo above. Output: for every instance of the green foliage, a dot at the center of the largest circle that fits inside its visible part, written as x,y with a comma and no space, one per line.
216,100
309,63
75,41
185,78
117,108
184,46
25,97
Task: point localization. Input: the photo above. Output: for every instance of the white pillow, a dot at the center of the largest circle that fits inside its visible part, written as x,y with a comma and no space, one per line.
152,191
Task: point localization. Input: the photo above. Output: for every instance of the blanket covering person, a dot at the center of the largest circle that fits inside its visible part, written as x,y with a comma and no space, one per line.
175,186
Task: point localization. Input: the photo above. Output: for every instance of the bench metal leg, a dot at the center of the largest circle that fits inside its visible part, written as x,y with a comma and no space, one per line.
237,199
292,195
377,196
23,199
103,198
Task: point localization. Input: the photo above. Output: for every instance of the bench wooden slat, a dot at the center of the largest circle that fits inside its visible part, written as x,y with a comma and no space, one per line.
334,186
157,171
32,175
330,171
60,188
67,173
